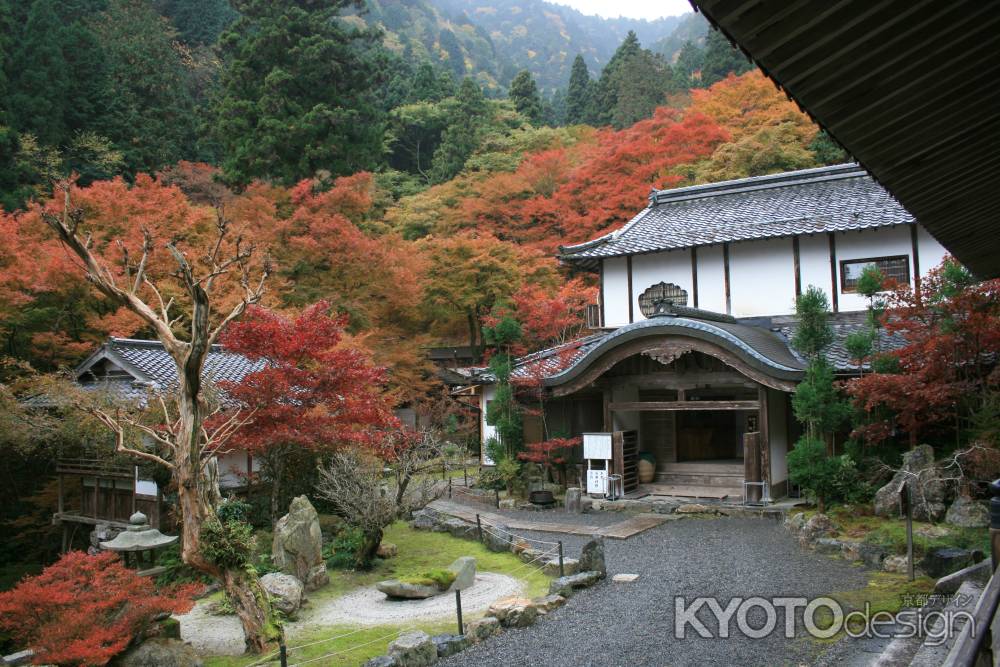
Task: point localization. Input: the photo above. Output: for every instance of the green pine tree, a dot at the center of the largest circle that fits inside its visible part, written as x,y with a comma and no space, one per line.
721,59
198,22
579,92
466,122
524,94
690,60
296,93
150,112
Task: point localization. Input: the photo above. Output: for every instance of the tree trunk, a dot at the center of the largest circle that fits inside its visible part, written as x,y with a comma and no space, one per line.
253,607
197,499
369,547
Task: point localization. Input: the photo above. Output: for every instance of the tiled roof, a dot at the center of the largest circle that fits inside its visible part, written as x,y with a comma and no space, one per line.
768,342
838,198
151,368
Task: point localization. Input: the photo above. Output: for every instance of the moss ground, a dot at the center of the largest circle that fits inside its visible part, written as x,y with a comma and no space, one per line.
419,552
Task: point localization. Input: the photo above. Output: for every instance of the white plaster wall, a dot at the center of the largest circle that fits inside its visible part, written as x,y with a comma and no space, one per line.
615,292
233,468
488,430
931,252
814,264
670,267
762,277
711,279
777,431
870,243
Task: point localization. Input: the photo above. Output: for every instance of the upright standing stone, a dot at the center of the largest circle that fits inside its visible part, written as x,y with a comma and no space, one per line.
573,496
592,557
298,545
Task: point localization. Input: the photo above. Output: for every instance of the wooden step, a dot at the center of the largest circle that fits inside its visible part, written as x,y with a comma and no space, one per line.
685,479
688,491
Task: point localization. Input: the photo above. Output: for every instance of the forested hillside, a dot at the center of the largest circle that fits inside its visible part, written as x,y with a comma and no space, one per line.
408,198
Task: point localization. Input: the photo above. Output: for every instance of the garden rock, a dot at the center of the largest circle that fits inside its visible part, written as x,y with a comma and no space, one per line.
382,661
387,550
570,566
572,500
548,603
394,588
298,545
592,558
422,520
818,525
530,555
586,504
413,649
828,545
896,564
285,591
968,513
160,653
694,508
566,586
851,551
458,528
449,644
484,628
795,522
929,490
496,538
514,612
465,573
508,504
872,555
939,562
519,545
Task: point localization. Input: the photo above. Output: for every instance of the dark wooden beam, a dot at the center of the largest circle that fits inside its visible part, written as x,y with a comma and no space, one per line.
662,406
631,307
672,380
725,278
694,276
834,283
795,264
600,293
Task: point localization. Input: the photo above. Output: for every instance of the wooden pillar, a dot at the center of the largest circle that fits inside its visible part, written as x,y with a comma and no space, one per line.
61,500
765,439
694,276
796,266
631,305
915,250
97,493
135,486
606,398
725,278
834,283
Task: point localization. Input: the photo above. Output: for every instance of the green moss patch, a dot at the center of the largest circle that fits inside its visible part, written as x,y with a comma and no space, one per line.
439,578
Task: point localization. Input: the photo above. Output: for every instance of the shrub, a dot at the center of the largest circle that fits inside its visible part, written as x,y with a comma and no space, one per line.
824,477
84,610
228,544
490,479
340,553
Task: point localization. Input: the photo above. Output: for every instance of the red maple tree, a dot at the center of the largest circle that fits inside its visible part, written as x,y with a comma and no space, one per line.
311,392
951,334
84,610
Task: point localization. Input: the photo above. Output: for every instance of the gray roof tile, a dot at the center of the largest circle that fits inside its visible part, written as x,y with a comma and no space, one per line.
826,199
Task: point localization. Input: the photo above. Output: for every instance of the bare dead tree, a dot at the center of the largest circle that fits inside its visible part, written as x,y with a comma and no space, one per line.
183,443
370,495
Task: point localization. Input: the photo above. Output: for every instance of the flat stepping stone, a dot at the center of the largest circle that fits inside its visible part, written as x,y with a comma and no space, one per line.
624,578
637,524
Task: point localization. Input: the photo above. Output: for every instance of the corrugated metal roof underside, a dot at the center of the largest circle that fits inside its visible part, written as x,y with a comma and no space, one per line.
908,87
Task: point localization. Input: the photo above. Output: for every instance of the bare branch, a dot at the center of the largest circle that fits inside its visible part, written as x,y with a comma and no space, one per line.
117,427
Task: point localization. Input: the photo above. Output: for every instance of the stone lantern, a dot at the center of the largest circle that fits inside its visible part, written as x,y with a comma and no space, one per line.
140,539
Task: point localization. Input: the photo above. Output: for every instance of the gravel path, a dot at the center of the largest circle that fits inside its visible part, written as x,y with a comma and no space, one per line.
370,607
633,624
223,635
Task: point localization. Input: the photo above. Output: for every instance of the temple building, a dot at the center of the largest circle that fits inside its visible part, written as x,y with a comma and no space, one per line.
689,350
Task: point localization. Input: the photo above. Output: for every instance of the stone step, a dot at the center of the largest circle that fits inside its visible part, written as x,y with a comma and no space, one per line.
699,479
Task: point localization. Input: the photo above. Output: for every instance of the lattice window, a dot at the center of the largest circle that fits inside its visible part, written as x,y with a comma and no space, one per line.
895,268
659,298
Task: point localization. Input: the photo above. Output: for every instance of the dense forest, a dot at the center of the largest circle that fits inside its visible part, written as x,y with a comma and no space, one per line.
412,195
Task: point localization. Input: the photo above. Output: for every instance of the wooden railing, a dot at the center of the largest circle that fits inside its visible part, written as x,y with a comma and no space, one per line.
98,467
975,644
